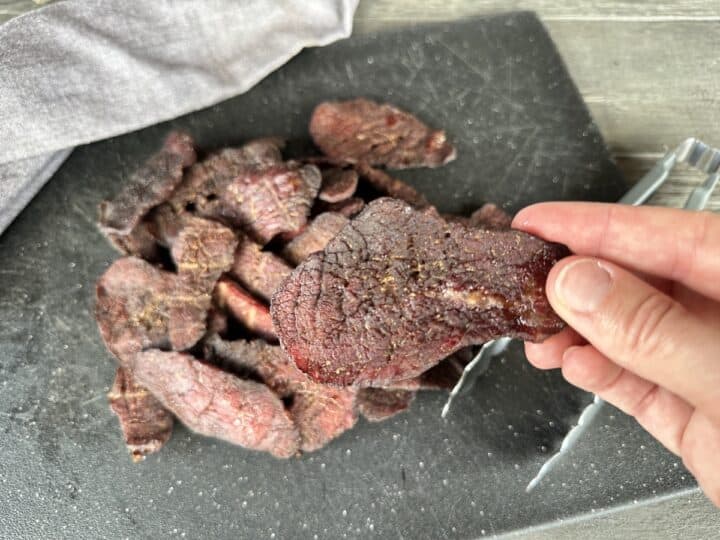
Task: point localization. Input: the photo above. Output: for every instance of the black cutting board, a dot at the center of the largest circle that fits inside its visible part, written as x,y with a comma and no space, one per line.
523,135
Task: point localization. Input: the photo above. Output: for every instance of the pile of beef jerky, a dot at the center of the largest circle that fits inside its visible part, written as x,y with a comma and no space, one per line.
268,303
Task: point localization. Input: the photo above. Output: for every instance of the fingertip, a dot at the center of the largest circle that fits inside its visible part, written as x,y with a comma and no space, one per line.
525,218
548,354
536,354
574,369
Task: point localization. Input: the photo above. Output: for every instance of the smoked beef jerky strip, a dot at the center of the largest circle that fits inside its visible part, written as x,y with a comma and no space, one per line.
218,404
348,207
399,289
338,184
253,314
146,425
315,237
270,200
378,404
202,252
320,412
361,130
393,187
148,186
260,272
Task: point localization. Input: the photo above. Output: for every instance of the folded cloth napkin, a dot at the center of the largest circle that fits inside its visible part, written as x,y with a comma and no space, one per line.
77,71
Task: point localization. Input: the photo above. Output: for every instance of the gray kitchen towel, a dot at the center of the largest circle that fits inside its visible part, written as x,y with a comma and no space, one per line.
77,71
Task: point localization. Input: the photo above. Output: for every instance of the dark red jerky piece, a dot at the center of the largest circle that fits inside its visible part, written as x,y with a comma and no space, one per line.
206,181
399,289
393,187
166,224
348,208
490,216
140,242
315,237
443,376
133,299
202,252
253,314
271,200
378,404
217,404
361,130
148,186
320,412
338,184
146,425
260,272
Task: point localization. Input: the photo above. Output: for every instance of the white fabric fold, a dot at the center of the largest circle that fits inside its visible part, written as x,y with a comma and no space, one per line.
79,71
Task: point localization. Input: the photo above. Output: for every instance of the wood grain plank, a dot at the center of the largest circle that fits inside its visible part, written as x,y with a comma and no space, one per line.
434,10
648,85
13,8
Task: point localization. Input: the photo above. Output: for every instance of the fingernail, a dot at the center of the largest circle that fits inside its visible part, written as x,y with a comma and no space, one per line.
583,285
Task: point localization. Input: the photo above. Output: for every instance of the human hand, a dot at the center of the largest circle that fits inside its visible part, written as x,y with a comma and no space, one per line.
641,297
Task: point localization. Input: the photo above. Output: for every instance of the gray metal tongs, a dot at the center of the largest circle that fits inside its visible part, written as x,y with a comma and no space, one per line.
692,152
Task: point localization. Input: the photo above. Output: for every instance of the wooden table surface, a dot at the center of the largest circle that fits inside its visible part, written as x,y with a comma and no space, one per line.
648,70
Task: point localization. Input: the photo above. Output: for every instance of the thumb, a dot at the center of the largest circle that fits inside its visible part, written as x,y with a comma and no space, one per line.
639,328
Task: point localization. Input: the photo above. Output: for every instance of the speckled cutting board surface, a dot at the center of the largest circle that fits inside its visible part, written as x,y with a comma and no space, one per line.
499,88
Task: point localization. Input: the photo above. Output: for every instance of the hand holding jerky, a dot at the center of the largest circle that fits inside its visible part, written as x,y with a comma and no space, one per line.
399,289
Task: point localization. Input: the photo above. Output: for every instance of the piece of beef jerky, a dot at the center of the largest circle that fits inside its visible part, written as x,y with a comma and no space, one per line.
140,242
146,425
490,216
442,376
393,187
315,237
348,208
148,186
132,306
167,223
270,200
260,272
399,289
218,404
217,321
202,252
338,184
378,404
378,134
320,412
204,182
253,314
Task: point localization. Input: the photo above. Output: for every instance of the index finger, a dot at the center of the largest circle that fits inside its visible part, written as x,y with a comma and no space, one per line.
675,244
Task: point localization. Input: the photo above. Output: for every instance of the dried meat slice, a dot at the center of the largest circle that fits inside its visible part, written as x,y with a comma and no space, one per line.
348,208
490,216
270,200
398,290
260,272
320,412
218,404
361,130
140,242
315,237
133,299
253,314
146,425
393,187
378,404
148,186
202,252
338,184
